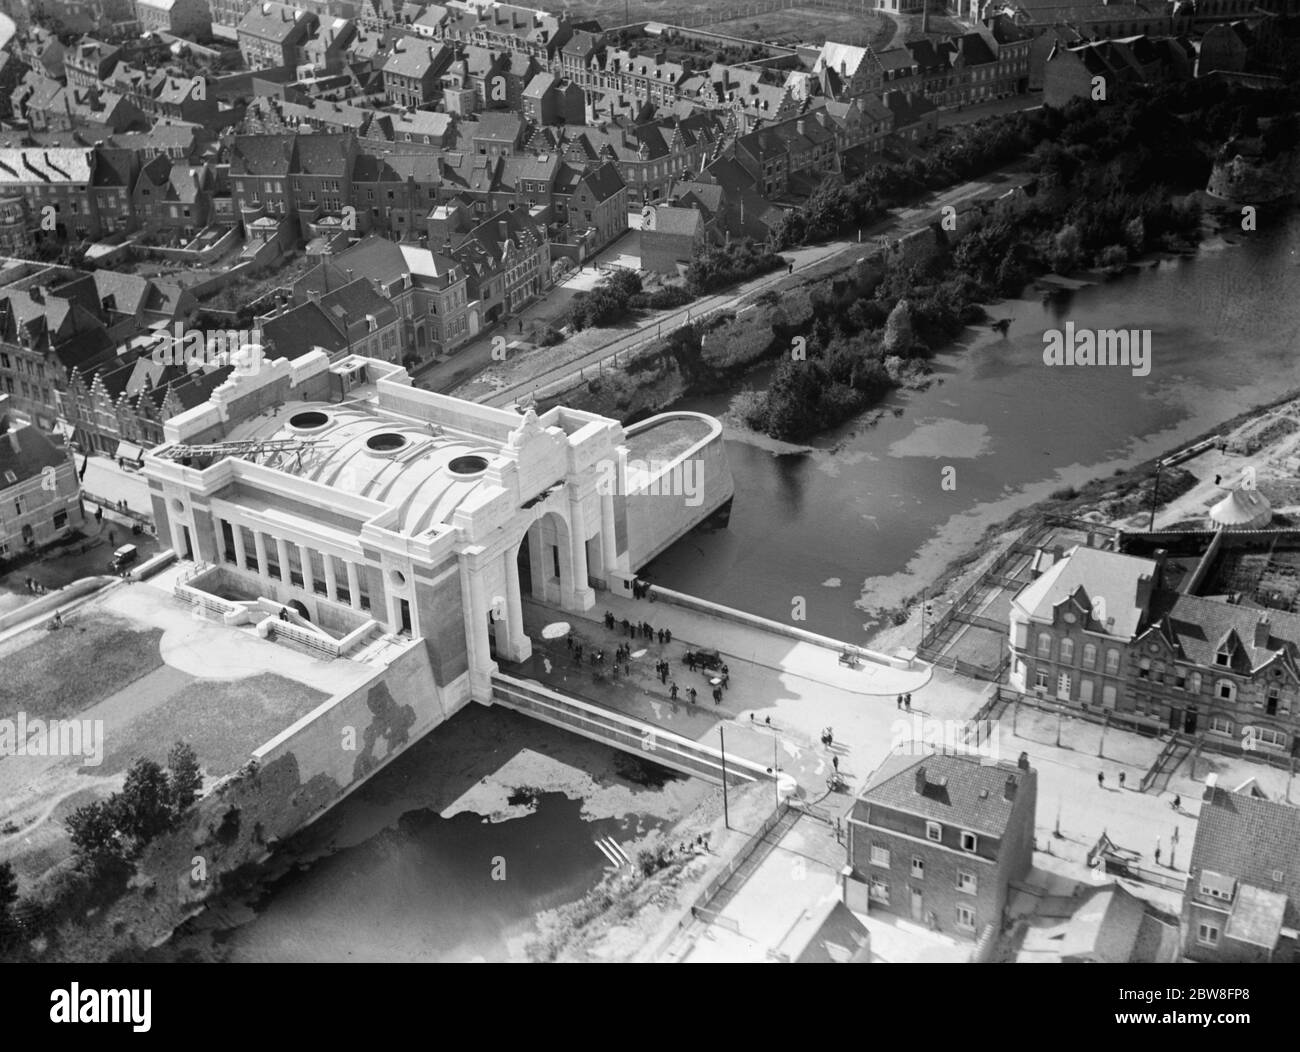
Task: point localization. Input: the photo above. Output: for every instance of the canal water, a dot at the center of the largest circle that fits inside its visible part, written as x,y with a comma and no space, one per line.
862,522
437,859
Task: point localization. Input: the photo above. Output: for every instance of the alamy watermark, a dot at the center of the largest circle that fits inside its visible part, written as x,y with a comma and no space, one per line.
920,736
1123,347
210,348
37,737
655,478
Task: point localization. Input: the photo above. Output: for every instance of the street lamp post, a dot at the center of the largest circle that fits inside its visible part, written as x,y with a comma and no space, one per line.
1155,496
722,744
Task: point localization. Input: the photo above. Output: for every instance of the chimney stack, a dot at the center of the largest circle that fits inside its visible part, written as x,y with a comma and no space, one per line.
921,781
1009,788
1023,762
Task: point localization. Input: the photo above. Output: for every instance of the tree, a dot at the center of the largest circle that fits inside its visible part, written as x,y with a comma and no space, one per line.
899,336
8,888
1065,248
93,830
186,777
146,802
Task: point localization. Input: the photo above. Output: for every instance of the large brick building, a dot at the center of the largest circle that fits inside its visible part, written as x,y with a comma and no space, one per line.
1129,635
938,839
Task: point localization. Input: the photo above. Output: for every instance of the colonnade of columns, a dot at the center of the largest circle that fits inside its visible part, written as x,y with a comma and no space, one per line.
341,577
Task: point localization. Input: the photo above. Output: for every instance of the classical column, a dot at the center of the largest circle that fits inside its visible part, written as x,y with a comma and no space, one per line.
221,540
583,597
518,646
354,584
476,617
259,543
286,571
240,555
331,586
608,538
304,554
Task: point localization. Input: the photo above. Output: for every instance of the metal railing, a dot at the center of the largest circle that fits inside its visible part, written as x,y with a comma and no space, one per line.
623,732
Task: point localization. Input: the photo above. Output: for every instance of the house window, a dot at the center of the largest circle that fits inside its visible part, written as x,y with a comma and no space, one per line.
1067,650
1220,725
1207,934
966,882
880,856
1223,658
1040,679
933,831
918,868
1112,662
879,891
1144,668
60,519
1269,736
1089,655
1044,645
966,918
1226,690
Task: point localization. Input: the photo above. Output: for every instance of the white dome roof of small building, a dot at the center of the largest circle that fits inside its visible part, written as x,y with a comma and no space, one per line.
1242,509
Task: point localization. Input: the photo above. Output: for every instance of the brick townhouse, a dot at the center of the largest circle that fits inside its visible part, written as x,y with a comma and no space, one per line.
938,839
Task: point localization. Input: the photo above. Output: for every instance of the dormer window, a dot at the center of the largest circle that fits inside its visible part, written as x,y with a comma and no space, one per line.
1224,657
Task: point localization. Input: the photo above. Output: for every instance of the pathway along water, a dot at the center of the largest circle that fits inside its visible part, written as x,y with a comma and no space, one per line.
863,522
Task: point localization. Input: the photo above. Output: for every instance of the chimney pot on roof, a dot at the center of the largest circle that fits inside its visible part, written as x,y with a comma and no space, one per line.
1009,788
921,781
1023,761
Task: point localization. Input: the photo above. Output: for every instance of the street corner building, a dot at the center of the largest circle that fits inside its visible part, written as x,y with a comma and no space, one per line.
351,502
938,839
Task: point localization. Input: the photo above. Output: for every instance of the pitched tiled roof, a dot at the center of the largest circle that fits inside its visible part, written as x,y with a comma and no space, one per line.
27,452
960,790
262,154
1250,839
1109,576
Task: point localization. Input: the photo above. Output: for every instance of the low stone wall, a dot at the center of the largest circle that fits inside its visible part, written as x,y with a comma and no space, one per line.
726,613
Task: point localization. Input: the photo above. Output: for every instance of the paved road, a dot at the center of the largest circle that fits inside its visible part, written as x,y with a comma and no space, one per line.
901,221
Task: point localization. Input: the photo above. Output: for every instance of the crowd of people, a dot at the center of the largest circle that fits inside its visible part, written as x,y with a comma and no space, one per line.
622,663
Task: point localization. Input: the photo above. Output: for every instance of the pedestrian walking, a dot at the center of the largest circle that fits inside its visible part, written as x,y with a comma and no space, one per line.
692,695
767,720
690,661
569,641
1178,803
663,673
791,269
725,680
1121,779
900,701
1157,851
627,626
546,663
672,690
835,762
717,695
830,737
725,670
110,536
577,653
1101,780
668,635
907,701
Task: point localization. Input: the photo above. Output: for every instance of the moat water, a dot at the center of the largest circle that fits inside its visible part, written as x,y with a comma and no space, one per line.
861,522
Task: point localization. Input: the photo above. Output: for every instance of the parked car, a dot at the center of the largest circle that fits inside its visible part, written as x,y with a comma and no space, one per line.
123,557
709,659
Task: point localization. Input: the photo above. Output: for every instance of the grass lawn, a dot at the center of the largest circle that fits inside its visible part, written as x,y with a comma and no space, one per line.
62,673
224,720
